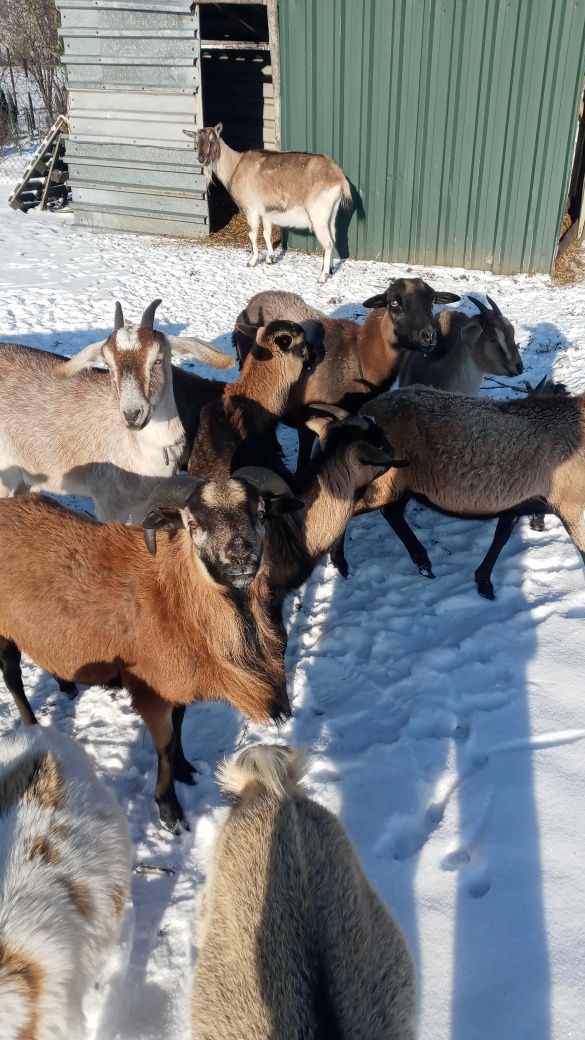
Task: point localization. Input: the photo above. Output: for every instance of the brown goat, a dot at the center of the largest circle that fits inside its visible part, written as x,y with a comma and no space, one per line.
481,458
469,347
189,624
240,427
360,360
294,944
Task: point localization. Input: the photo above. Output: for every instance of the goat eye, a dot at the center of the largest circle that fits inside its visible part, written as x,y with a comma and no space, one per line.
394,304
158,362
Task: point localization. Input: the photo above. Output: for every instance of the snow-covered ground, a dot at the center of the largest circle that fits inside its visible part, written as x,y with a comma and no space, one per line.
445,730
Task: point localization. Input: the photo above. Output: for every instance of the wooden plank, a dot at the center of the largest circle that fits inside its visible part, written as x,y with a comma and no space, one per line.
273,36
50,171
233,45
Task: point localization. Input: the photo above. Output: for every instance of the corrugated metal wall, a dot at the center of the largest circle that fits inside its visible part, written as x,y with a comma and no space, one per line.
455,120
133,75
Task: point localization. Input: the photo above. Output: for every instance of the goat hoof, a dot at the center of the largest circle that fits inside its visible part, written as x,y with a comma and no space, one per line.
322,278
185,774
426,569
252,262
537,523
485,589
270,259
172,818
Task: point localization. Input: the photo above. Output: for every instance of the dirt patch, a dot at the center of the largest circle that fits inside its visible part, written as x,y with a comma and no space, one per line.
569,267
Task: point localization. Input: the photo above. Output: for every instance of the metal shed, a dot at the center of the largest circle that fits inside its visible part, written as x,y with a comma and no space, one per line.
456,121
138,71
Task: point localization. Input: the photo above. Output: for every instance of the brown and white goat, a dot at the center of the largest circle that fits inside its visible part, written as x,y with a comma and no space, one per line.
294,944
360,360
65,874
240,427
481,458
468,349
291,189
187,624
90,433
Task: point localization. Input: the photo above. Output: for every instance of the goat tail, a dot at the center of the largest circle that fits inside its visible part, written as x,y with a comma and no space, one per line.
346,196
273,768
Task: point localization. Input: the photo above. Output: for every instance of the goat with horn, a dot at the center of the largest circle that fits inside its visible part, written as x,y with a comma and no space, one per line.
108,436
188,620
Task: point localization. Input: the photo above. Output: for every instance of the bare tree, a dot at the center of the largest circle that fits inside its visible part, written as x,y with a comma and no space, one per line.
29,31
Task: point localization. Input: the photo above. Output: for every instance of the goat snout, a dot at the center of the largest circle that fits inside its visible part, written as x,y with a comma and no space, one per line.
242,561
427,337
136,418
516,369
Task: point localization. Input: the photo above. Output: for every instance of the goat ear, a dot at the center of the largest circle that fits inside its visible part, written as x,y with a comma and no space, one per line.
190,133
156,519
218,129
381,300
276,505
319,424
190,345
260,334
471,332
446,297
90,355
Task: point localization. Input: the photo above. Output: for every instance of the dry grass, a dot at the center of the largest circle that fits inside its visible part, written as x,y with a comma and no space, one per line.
235,233
569,267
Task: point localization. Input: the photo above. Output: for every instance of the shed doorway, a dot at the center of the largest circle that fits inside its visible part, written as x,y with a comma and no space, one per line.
239,48
574,214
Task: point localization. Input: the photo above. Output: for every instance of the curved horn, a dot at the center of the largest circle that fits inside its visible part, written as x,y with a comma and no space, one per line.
263,479
334,410
174,492
147,319
480,306
118,317
496,310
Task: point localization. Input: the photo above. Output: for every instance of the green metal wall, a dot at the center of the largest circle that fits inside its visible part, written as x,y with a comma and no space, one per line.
455,120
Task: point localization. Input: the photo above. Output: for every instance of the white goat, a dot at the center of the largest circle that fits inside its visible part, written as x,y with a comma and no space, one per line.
105,436
291,189
294,944
65,867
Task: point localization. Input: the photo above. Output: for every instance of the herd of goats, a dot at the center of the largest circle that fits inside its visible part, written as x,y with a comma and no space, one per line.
175,592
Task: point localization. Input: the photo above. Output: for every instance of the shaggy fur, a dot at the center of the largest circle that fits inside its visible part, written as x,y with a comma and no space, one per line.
291,189
189,624
360,360
110,437
477,457
65,865
294,944
468,349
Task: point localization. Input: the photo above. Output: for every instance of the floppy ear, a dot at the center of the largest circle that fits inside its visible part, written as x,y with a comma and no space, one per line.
446,297
194,347
381,300
276,505
218,128
319,424
88,356
156,519
471,332
190,133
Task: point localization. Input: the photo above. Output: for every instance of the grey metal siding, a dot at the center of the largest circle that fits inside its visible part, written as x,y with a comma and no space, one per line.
133,73
454,119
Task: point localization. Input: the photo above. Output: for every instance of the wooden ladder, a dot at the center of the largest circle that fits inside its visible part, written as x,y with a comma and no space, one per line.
41,180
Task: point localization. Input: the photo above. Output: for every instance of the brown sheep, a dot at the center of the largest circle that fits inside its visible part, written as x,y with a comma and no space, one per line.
294,944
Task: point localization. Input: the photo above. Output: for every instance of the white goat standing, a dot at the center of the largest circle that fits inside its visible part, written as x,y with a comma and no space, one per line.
291,189
108,436
65,868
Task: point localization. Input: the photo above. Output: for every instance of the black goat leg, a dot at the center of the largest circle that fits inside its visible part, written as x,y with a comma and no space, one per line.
394,515
337,556
10,665
504,527
182,768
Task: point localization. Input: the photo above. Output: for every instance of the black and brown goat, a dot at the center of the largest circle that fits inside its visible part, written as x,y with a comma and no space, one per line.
360,360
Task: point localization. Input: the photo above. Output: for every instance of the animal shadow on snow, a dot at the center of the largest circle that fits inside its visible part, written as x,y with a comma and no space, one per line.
398,680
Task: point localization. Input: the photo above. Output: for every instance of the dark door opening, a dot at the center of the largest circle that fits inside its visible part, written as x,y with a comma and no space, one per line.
236,86
574,215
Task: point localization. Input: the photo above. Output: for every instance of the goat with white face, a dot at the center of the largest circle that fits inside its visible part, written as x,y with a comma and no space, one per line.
107,436
290,189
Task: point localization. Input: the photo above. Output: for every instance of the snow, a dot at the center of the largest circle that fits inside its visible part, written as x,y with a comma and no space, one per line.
446,731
